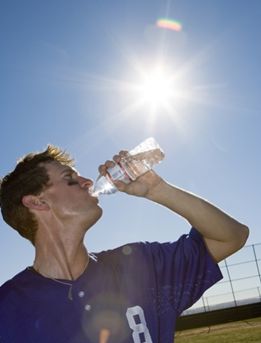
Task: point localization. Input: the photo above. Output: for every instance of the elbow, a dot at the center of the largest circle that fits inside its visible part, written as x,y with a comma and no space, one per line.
243,236
240,239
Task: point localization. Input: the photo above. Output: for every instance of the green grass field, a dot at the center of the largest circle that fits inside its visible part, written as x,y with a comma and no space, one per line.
236,332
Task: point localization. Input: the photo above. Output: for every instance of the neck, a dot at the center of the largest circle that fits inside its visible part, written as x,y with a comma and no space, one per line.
60,257
54,268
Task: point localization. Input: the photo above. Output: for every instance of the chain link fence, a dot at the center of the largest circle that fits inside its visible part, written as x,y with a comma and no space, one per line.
241,283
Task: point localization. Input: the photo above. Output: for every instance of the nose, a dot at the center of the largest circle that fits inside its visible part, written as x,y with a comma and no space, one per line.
84,182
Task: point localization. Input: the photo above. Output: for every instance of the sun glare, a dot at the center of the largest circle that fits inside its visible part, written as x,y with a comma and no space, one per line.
155,88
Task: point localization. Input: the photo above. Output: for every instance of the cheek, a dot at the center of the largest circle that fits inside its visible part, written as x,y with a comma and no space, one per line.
64,207
69,199
63,195
61,200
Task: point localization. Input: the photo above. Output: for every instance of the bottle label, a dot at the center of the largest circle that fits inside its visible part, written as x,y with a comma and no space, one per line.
117,173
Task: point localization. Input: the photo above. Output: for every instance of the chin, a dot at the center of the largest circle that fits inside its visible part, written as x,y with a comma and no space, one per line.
93,216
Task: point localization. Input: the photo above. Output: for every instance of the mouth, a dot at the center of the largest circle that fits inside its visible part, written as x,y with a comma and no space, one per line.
94,197
92,193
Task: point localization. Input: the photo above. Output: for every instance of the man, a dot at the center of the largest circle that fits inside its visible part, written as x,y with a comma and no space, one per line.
130,294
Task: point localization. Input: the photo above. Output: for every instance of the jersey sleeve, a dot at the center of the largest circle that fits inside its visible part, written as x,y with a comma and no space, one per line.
183,270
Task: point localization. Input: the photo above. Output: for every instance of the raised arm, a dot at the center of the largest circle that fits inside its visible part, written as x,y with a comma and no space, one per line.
222,234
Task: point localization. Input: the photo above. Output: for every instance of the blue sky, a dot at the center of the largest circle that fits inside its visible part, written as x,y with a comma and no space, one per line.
65,73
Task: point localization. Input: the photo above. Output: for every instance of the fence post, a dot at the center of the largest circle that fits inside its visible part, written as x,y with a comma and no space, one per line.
231,285
204,305
258,291
257,267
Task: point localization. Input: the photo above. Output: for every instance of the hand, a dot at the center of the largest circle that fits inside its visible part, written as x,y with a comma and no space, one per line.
143,186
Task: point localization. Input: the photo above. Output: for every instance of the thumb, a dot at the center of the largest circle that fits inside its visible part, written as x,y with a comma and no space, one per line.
121,186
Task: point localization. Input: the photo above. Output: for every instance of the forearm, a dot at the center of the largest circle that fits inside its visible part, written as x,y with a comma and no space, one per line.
210,221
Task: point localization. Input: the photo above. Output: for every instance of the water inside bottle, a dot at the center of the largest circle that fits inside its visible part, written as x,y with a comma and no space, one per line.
139,163
102,186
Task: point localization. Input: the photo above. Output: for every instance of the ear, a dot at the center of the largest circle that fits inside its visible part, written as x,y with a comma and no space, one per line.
34,202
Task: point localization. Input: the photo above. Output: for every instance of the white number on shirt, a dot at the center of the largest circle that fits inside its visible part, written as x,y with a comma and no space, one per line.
137,323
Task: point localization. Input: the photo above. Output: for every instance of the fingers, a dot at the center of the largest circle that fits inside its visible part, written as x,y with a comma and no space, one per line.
104,167
109,164
121,186
120,156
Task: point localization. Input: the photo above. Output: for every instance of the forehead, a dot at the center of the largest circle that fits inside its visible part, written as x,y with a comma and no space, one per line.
55,168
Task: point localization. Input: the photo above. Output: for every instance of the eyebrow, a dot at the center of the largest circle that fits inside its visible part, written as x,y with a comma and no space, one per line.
68,169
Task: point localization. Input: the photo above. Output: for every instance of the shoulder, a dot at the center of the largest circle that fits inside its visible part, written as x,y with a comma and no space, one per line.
138,249
139,253
10,287
122,252
135,255
123,257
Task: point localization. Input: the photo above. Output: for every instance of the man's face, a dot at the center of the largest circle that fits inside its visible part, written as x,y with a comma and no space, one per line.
67,195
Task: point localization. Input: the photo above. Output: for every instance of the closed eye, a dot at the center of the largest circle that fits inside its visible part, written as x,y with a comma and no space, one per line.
71,177
72,182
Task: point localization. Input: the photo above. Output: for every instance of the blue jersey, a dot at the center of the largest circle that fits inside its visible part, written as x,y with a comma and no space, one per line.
132,294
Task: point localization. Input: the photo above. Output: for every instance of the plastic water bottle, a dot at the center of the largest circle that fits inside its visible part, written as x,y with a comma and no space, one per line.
136,163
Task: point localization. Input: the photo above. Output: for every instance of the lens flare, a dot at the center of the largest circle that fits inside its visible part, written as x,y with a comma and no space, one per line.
169,24
104,335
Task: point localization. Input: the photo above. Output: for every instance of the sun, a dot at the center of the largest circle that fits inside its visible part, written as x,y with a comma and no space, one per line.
150,90
155,88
